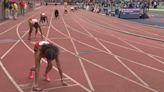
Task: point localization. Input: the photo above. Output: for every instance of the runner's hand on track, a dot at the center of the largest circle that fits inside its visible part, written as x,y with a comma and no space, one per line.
63,83
36,89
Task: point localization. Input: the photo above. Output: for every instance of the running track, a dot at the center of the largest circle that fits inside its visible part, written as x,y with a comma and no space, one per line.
97,53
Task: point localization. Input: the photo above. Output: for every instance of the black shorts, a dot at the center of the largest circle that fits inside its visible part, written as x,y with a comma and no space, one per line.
43,18
36,25
56,15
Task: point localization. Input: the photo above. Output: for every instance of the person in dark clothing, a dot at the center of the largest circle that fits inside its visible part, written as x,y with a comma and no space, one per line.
56,13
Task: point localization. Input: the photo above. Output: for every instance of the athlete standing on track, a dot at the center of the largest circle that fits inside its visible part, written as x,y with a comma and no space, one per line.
44,49
34,23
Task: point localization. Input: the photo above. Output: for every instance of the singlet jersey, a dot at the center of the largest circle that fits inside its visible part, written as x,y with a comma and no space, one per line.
33,21
38,44
43,14
72,8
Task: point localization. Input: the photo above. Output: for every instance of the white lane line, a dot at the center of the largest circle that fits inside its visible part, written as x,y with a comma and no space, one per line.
143,65
125,48
148,45
141,51
138,49
107,33
13,26
124,65
81,63
53,88
11,48
55,38
86,89
5,22
10,78
145,52
28,85
49,24
73,29
103,68
108,70
134,23
126,32
5,70
8,30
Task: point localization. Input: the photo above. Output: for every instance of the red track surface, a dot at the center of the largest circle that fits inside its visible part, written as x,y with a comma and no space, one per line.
98,54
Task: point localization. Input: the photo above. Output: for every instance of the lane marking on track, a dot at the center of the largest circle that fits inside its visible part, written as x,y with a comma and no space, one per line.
143,52
149,67
8,40
76,30
50,23
60,38
148,54
29,85
86,89
8,30
111,53
10,78
81,63
85,52
5,22
127,32
14,25
4,69
11,48
103,68
54,66
53,88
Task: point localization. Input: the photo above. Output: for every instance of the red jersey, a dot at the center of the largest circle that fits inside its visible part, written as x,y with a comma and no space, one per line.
38,44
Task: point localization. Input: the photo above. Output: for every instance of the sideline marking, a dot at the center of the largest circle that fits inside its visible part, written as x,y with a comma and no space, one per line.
81,63
111,53
86,89
131,50
10,78
7,40
103,68
53,88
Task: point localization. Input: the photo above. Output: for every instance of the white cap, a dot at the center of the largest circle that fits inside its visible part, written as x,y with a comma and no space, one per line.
35,20
43,42
43,14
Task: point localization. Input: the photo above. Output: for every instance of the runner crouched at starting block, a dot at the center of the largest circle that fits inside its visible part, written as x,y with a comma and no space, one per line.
34,23
43,18
50,52
72,8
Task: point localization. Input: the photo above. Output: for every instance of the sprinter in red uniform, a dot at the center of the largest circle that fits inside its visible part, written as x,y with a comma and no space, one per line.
50,52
